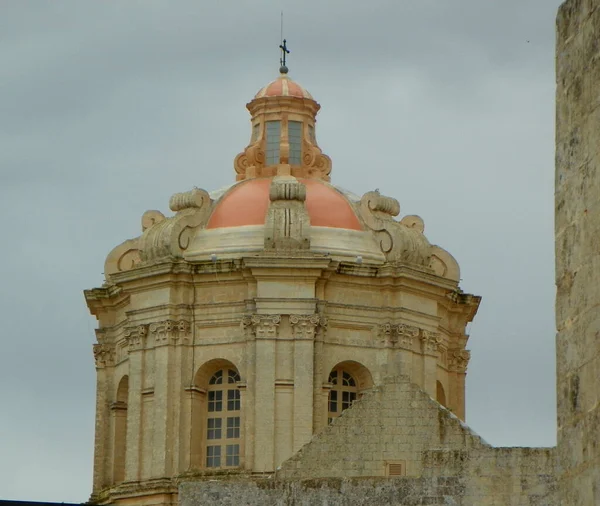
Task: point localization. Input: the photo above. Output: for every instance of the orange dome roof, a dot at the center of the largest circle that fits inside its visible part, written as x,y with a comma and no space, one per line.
247,204
283,86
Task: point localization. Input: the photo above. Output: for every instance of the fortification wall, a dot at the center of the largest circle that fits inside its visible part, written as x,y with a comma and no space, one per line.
395,428
577,228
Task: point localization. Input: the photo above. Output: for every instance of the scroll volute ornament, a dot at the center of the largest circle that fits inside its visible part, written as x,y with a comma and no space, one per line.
250,162
400,241
314,163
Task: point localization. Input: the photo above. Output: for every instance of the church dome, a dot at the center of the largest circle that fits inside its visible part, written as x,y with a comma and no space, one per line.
283,86
247,204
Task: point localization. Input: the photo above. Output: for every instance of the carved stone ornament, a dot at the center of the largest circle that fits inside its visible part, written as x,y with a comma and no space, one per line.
104,355
399,241
305,326
399,334
458,360
171,237
136,337
406,335
170,331
287,226
430,341
261,326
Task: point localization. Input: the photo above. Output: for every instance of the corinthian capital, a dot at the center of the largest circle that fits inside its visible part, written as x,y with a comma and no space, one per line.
305,326
261,326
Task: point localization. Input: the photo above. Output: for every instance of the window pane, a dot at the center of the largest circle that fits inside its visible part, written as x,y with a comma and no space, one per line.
348,380
295,140
311,133
347,399
233,400
213,456
215,400
333,378
217,378
273,141
214,428
233,377
233,427
232,455
333,395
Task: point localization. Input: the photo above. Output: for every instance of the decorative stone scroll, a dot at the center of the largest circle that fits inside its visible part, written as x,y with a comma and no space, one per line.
305,326
400,241
104,355
261,326
458,360
170,331
136,337
430,342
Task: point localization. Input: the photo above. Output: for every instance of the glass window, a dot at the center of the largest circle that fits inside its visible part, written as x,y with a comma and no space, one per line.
215,400
223,421
273,141
233,427
232,455
214,428
295,140
213,456
343,393
233,400
311,134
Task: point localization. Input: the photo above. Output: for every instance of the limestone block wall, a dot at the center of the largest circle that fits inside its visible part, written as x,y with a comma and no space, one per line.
577,228
397,428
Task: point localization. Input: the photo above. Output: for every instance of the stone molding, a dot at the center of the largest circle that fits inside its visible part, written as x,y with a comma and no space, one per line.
305,326
458,360
430,342
399,334
170,331
261,326
136,337
104,355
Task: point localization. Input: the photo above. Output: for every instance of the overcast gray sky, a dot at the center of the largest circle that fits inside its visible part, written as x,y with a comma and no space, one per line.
108,108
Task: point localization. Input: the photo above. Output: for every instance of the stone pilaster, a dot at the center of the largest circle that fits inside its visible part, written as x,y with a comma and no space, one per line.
265,330
429,345
136,338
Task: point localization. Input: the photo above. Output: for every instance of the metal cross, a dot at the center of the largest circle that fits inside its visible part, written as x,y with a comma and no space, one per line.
284,51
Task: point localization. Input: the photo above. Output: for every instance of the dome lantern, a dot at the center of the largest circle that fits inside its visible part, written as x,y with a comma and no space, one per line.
283,141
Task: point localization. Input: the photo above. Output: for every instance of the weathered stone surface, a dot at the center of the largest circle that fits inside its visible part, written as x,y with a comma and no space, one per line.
578,251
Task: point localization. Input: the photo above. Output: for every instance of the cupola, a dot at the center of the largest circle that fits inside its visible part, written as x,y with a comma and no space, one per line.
283,141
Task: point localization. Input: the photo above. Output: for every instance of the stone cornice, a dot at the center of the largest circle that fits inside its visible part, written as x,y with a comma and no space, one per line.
292,263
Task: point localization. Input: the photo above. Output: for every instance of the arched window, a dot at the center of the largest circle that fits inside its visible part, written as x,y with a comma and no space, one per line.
223,420
119,411
342,394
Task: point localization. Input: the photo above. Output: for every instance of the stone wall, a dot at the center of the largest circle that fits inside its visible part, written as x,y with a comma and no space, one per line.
578,251
395,428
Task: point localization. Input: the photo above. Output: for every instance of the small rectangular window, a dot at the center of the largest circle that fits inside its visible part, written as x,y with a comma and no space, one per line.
295,140
232,455
215,401
273,141
233,427
214,428
213,456
233,400
311,134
